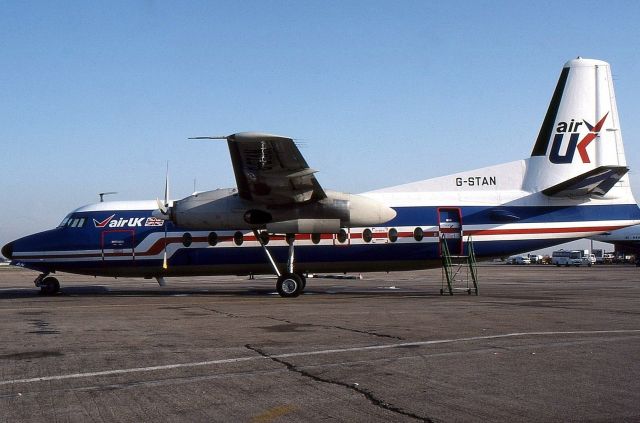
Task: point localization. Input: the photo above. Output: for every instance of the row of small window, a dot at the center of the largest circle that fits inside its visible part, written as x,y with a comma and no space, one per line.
72,223
342,237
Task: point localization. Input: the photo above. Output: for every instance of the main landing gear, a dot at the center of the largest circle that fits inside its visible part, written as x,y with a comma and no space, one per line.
289,284
48,284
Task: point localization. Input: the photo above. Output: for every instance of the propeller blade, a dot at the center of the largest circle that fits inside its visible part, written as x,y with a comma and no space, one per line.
166,187
165,265
163,208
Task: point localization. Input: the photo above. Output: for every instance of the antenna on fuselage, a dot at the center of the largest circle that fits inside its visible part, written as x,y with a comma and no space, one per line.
102,194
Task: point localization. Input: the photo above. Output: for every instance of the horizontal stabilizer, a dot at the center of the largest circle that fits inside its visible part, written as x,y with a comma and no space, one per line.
594,182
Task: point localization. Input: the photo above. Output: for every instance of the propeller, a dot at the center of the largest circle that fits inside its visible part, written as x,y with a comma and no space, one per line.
163,208
165,265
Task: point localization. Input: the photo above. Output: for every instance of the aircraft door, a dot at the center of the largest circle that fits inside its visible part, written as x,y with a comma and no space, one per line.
118,244
450,225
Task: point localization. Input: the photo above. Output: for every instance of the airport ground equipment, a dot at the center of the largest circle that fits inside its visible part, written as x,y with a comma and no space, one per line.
458,271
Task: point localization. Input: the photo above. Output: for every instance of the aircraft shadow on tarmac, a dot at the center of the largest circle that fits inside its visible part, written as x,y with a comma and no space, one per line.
213,291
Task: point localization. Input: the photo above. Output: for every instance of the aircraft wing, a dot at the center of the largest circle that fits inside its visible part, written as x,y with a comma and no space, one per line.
270,169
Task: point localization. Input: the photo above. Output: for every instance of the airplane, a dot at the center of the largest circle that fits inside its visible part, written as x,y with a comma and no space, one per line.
625,240
280,220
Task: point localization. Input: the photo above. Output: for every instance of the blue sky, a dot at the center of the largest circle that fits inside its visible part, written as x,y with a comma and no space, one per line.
97,96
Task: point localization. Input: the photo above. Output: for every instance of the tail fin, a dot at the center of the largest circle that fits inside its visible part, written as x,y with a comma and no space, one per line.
579,148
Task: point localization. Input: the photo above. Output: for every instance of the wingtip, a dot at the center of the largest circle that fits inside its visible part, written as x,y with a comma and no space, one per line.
219,137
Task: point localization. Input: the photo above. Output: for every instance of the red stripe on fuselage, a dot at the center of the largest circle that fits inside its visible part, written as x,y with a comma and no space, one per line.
159,245
540,230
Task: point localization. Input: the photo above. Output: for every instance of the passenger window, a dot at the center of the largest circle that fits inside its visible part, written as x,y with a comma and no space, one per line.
238,238
393,234
187,239
342,236
264,237
418,234
315,238
367,236
212,239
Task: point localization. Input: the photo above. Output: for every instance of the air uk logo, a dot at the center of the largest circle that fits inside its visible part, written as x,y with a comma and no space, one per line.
103,223
572,129
129,222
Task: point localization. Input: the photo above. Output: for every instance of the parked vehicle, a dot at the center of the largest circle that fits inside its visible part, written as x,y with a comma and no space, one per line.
567,258
608,258
518,260
589,259
535,258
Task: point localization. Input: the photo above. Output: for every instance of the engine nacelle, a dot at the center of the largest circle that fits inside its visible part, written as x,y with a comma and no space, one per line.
219,209
305,226
224,209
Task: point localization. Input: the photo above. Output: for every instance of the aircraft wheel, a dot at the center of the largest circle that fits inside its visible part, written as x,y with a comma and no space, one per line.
49,286
303,281
289,285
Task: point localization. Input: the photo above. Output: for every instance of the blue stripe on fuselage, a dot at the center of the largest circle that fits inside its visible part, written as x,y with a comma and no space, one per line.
90,238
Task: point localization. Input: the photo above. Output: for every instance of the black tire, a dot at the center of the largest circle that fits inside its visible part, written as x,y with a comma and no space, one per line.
49,286
289,285
303,281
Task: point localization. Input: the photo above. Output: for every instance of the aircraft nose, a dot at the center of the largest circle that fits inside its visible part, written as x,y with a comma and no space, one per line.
7,250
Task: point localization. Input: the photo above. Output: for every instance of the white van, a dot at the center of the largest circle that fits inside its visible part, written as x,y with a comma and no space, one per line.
589,259
518,260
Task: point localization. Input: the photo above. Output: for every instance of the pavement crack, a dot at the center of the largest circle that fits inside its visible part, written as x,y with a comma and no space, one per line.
365,332
222,313
356,388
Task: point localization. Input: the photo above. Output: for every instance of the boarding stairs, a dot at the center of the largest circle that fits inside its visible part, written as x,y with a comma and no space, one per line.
459,272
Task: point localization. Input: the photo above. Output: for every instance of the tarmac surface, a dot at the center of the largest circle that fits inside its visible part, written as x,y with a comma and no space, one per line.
539,343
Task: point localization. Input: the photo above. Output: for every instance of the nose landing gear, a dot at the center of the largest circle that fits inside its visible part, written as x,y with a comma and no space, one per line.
48,284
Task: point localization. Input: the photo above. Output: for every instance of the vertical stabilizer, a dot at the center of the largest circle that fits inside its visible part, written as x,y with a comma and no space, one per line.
579,148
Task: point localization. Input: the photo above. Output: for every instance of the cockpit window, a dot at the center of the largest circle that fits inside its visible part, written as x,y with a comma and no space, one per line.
64,221
77,222
72,222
